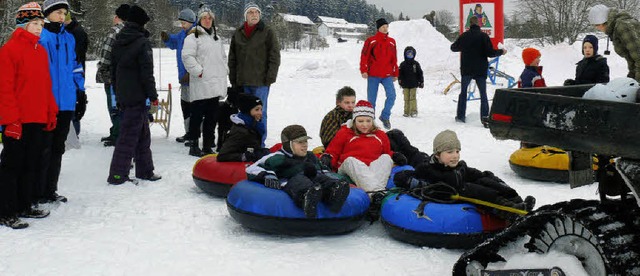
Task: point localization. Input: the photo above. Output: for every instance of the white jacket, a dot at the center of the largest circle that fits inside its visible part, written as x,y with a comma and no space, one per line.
206,56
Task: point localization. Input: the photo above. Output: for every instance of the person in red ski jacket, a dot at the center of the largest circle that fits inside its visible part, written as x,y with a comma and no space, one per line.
379,65
362,151
532,74
27,110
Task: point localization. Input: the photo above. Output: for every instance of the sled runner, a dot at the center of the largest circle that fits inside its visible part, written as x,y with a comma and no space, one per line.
162,117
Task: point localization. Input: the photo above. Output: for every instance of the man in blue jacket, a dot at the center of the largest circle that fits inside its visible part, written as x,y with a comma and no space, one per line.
67,77
174,41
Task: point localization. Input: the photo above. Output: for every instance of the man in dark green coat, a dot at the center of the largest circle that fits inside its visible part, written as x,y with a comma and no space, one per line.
254,58
624,32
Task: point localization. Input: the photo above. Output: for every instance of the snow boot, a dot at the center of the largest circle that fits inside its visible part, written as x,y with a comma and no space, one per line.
311,199
386,123
181,139
119,179
338,195
55,197
13,222
194,149
152,177
34,213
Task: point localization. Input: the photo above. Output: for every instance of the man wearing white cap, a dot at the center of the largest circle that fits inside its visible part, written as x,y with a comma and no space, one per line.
624,32
254,58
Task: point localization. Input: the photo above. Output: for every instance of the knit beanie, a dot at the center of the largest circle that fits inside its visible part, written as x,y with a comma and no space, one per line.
138,15
122,11
529,55
247,102
381,22
446,140
363,108
249,6
28,12
594,42
187,15
598,14
51,5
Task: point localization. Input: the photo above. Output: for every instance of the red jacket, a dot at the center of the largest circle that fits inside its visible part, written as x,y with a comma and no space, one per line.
364,147
379,56
25,83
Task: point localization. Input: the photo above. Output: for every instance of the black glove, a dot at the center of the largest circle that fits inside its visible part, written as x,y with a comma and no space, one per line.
271,181
81,104
248,156
399,159
164,36
233,94
310,170
569,82
325,160
421,85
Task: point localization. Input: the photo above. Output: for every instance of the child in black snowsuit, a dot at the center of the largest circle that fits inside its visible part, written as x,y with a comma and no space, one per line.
243,141
410,78
446,167
305,185
592,68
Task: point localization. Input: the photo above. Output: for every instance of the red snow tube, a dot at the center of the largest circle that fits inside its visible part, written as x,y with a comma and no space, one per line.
216,178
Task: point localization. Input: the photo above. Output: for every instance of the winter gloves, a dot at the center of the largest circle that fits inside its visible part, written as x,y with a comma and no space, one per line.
164,36
14,130
325,160
269,180
81,104
399,159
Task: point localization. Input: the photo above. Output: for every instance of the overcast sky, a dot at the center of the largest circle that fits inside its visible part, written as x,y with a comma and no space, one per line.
417,8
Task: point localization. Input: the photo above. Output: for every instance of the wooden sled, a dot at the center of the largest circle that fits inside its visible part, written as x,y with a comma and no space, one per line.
162,117
455,80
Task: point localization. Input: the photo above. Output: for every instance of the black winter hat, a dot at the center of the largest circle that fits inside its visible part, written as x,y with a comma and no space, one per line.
247,102
123,11
594,42
138,15
381,22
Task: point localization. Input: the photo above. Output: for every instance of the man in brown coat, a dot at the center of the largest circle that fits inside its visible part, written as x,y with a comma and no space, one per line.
254,58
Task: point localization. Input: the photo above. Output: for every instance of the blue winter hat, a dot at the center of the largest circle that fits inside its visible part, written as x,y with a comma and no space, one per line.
187,15
594,42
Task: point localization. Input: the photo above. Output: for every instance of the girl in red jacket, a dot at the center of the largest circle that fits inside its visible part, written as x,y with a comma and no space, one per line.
362,151
27,110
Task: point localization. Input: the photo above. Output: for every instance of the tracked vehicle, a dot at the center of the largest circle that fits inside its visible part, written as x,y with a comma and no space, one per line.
604,235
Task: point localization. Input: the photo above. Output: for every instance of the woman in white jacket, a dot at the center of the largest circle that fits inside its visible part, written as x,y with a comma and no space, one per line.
206,61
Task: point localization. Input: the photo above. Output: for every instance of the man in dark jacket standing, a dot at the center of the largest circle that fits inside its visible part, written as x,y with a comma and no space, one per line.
254,58
476,47
132,77
82,45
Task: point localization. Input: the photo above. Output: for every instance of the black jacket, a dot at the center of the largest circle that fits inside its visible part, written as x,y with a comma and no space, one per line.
237,141
82,41
592,70
411,75
132,66
476,47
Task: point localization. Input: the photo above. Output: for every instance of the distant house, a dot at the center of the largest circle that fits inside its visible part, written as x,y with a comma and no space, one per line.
308,27
338,27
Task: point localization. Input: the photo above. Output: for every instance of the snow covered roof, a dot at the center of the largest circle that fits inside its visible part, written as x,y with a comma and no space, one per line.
296,19
326,19
349,26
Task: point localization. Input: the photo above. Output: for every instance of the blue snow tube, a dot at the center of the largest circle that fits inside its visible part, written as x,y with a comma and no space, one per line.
273,211
395,170
454,226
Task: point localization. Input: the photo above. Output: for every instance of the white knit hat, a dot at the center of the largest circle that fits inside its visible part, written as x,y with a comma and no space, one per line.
598,14
251,5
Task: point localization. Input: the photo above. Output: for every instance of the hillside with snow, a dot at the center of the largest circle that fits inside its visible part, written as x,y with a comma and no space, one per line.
170,227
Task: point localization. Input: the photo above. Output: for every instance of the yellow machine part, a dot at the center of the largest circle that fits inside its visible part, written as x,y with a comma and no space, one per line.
542,157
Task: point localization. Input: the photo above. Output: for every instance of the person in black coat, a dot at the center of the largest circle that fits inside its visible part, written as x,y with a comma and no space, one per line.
410,78
244,139
132,77
475,47
445,167
593,67
82,45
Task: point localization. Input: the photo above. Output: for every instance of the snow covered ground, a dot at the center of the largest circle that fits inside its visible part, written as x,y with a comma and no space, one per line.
170,227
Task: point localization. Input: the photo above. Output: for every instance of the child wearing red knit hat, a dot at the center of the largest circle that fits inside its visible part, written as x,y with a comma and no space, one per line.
532,74
362,151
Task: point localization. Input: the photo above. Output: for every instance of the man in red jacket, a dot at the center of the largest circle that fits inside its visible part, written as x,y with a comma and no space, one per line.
379,65
27,110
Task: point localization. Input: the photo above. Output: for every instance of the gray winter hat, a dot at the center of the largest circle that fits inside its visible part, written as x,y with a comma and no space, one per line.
295,133
598,14
249,6
51,5
187,15
446,140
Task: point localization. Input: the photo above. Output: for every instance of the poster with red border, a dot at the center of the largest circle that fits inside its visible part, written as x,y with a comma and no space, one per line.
490,14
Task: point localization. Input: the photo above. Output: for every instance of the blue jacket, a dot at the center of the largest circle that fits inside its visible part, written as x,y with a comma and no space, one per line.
176,42
67,75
